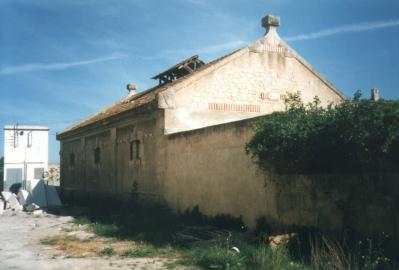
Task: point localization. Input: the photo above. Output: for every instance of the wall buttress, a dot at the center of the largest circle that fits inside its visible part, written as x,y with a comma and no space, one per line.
114,176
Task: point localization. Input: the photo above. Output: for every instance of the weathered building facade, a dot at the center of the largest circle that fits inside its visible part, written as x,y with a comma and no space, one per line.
182,142
25,155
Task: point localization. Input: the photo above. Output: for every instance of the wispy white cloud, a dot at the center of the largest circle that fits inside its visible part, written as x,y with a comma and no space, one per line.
204,51
345,29
32,67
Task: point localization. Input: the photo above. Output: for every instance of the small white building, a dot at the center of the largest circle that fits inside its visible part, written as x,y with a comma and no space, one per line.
25,155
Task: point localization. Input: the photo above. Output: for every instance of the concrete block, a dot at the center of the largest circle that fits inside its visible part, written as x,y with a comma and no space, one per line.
23,197
13,202
6,195
45,195
52,196
39,194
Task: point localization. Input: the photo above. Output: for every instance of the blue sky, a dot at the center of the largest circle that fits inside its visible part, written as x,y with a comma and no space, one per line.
63,60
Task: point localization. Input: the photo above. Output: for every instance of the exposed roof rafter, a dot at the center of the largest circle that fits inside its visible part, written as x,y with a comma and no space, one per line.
179,70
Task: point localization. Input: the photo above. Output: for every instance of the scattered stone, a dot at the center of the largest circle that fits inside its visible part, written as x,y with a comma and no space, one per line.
276,240
31,207
38,212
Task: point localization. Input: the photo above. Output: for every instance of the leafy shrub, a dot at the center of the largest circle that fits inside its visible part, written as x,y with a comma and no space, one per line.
355,136
107,251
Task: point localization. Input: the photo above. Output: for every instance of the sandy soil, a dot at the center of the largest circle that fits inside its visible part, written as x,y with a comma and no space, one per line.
20,247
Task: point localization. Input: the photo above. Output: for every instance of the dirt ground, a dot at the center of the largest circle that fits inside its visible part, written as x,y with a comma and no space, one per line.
21,246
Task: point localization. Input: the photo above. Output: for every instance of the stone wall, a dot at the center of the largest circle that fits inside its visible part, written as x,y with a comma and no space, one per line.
118,169
209,168
246,84
54,174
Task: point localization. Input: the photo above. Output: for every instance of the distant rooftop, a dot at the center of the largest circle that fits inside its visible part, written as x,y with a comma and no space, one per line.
25,127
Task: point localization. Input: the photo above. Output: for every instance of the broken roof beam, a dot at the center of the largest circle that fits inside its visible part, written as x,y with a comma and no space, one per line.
179,70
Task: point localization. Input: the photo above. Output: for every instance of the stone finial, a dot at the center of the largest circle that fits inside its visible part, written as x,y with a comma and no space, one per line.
131,87
270,21
375,94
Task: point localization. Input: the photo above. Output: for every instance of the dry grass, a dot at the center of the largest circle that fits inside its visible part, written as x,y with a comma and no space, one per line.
72,246
331,253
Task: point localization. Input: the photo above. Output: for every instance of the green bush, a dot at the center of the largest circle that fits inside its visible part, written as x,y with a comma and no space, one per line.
107,251
356,136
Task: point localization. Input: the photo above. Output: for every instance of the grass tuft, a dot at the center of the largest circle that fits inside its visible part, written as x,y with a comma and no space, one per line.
217,257
107,251
273,259
140,253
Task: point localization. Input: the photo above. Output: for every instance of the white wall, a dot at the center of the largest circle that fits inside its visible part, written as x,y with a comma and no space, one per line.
26,148
251,82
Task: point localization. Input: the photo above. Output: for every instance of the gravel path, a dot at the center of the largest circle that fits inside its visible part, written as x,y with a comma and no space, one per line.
20,249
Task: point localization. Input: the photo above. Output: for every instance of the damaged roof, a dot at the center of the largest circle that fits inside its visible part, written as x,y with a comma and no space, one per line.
139,99
189,65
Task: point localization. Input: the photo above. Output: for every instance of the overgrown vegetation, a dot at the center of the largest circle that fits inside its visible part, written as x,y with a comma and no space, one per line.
356,136
252,255
129,236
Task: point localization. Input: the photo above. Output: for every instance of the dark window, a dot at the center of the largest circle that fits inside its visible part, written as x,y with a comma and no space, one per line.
39,173
97,155
13,176
72,159
134,149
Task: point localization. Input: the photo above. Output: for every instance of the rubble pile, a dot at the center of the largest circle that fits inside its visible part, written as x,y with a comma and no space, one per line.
41,197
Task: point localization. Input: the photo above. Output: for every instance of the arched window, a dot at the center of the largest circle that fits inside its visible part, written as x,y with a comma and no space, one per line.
134,150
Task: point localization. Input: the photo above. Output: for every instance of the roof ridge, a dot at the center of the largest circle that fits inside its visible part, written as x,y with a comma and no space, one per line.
313,70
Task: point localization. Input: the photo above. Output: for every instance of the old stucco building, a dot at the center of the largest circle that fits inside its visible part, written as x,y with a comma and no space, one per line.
182,141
